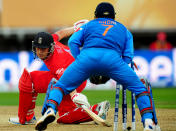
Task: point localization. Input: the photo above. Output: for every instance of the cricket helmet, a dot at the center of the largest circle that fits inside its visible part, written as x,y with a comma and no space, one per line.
105,10
43,40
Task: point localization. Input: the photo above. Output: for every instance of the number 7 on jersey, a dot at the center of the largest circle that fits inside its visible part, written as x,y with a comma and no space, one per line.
107,29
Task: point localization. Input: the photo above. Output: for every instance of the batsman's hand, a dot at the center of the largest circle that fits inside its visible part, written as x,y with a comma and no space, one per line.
80,99
79,23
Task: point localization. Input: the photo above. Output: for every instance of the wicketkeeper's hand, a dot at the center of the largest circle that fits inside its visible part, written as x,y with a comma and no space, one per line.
79,23
98,79
80,99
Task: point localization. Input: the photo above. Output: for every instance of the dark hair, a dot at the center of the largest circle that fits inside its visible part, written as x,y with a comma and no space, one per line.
105,10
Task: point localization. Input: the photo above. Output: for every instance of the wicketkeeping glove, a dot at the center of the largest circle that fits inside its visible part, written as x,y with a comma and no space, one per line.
80,99
98,79
79,23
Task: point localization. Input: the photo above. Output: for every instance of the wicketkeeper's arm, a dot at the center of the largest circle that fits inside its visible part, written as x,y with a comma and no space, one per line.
128,51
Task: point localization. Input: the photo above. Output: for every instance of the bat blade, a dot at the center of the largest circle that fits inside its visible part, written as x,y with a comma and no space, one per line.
96,118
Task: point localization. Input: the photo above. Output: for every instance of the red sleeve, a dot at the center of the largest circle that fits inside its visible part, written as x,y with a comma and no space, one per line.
62,45
60,72
55,37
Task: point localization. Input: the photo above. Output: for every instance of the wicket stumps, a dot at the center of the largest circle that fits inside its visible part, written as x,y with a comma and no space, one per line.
124,109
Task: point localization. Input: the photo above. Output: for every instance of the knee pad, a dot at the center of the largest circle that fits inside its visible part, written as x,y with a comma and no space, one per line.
26,97
144,103
149,90
25,82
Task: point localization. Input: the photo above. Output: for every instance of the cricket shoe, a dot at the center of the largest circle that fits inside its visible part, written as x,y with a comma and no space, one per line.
157,128
150,126
47,118
15,120
102,109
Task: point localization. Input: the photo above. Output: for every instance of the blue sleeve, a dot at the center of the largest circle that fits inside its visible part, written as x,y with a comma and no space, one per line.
76,41
128,52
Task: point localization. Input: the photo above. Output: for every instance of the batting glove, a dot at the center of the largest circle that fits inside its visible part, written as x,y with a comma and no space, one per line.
79,23
80,100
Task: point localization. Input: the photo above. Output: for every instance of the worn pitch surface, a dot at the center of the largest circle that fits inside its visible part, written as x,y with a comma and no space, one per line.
166,118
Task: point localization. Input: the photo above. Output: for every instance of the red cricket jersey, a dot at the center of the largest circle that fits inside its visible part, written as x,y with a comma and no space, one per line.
60,59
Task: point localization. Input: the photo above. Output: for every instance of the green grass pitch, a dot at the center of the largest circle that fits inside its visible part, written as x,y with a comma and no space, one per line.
164,97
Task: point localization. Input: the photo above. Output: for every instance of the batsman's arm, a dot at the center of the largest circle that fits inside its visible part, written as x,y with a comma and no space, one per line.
66,32
73,93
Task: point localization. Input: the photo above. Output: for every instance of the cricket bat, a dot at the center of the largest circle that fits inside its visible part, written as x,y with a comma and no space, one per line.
95,117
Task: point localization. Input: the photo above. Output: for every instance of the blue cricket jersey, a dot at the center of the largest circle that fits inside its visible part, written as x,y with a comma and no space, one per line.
103,33
104,43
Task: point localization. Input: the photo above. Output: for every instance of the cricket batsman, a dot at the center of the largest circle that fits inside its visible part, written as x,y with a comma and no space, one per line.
57,58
